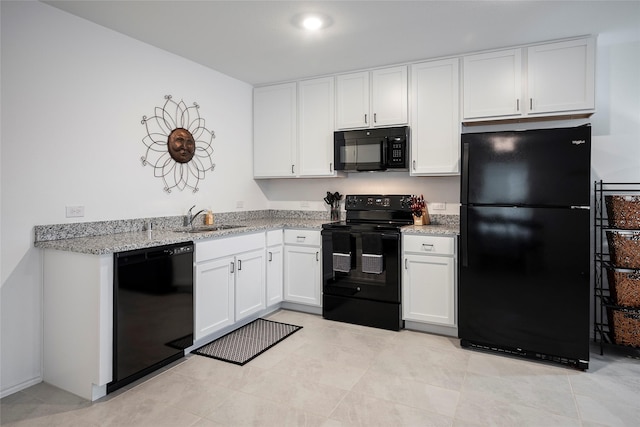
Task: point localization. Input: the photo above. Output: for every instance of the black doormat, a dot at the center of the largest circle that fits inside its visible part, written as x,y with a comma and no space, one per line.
247,342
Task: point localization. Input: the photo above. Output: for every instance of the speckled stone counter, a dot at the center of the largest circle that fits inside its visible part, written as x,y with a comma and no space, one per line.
431,229
106,237
440,224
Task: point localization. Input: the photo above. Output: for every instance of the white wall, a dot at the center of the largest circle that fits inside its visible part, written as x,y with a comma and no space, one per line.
615,149
73,96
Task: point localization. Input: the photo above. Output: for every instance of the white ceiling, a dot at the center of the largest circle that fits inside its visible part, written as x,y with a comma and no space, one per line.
256,42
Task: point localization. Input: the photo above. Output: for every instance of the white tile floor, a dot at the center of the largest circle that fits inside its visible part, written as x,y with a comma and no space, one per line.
335,374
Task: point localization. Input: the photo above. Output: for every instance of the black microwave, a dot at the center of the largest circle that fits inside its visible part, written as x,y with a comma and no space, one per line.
377,149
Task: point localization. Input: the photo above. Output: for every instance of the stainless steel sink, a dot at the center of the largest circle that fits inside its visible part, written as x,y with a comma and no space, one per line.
208,228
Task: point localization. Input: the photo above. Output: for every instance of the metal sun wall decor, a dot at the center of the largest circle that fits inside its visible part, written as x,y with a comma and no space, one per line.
178,145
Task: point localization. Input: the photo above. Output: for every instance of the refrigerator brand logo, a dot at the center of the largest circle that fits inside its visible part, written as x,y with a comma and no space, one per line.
578,141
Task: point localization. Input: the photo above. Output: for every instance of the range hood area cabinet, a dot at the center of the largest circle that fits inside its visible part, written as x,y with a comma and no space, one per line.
293,129
369,99
540,80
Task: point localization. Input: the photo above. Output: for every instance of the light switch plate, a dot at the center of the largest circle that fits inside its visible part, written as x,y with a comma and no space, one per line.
438,206
239,204
75,211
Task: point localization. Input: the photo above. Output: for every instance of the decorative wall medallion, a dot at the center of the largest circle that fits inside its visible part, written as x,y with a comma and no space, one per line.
178,145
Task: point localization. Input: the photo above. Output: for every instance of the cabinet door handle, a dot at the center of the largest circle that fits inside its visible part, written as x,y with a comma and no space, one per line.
330,167
406,265
317,256
233,267
292,169
270,256
530,103
239,264
517,104
375,117
365,119
414,164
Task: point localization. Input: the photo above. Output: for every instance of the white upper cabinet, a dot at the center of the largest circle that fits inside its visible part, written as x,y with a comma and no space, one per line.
492,84
352,100
275,116
549,79
561,76
435,118
389,104
372,98
293,126
316,125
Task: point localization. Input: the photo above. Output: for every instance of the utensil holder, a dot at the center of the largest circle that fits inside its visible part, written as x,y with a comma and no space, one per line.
335,211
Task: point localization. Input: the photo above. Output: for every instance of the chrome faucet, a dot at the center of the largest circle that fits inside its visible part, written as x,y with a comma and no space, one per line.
188,219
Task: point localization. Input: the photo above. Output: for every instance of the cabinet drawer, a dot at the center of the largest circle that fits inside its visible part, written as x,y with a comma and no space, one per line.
216,248
274,237
302,237
441,245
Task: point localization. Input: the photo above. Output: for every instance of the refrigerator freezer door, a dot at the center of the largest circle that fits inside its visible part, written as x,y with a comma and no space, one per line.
546,167
524,279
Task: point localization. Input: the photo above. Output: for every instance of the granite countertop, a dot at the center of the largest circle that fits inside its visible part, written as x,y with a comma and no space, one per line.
449,229
107,237
119,242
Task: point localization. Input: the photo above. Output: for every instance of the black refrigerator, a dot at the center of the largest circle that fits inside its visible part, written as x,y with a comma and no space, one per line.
524,243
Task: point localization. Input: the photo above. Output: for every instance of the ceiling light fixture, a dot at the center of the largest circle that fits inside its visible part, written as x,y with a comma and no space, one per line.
311,21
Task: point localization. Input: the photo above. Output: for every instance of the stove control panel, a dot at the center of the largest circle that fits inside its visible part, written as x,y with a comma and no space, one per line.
378,202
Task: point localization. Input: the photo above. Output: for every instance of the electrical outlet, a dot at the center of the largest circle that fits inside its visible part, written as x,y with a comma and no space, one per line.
304,204
240,204
438,206
75,211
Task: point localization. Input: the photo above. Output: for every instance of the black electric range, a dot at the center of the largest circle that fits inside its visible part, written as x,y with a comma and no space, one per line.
362,260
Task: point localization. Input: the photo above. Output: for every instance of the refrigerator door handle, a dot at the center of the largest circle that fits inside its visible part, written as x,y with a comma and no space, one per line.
463,237
464,187
581,207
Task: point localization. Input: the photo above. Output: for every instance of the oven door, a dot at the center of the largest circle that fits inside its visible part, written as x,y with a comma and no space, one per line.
369,270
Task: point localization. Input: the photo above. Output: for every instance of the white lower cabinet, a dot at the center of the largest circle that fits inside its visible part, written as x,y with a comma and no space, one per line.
250,283
213,296
302,267
429,279
229,281
274,263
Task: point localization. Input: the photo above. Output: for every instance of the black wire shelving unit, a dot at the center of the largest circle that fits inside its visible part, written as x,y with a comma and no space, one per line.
603,302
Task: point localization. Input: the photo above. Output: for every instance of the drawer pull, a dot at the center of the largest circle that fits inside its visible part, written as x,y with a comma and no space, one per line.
427,246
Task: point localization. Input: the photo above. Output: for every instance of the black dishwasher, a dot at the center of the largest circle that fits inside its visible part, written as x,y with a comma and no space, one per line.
152,310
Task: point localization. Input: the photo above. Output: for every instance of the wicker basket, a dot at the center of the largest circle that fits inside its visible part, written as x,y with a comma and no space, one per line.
625,326
623,211
624,247
624,286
